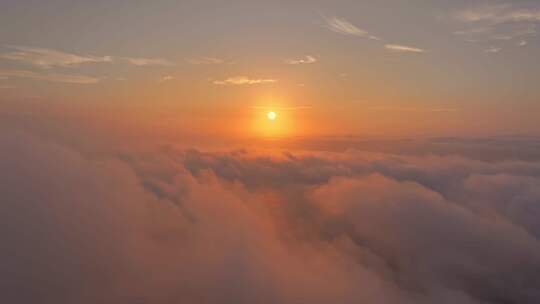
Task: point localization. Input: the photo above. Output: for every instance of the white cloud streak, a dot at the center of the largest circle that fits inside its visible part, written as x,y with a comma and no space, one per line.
48,58
403,48
138,61
54,77
243,80
205,61
166,78
306,60
344,27
493,50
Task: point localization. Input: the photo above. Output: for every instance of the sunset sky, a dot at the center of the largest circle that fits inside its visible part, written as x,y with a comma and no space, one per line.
269,152
328,67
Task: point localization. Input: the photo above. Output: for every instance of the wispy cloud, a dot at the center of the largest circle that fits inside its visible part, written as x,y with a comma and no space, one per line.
205,61
344,27
243,80
522,43
403,109
48,58
529,30
166,78
498,32
499,13
306,60
138,61
65,78
493,50
501,37
473,31
498,22
403,48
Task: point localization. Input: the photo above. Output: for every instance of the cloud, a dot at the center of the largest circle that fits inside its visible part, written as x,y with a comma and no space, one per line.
446,220
243,80
498,32
139,61
522,43
529,30
205,61
501,37
54,77
403,48
493,50
48,58
166,78
401,109
473,31
498,22
344,27
306,60
499,13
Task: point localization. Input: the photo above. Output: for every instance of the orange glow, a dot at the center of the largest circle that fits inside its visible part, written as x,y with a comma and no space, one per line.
268,123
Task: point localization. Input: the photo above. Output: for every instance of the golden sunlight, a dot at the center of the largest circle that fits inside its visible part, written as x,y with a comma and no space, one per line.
271,115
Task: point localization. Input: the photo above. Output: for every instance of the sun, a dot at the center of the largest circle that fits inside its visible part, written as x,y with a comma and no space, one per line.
270,122
271,115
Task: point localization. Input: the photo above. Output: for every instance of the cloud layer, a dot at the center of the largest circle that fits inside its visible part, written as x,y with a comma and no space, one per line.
168,226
